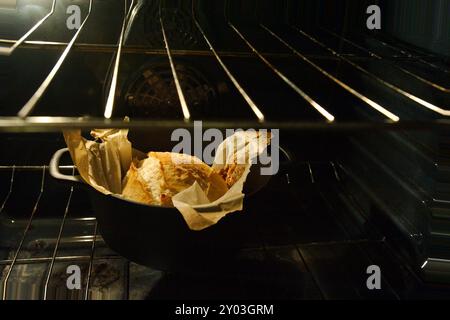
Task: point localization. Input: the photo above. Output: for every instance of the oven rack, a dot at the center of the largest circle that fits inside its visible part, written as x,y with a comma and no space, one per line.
427,113
91,239
151,51
330,238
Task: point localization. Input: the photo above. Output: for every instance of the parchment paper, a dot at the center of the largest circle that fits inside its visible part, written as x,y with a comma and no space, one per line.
103,164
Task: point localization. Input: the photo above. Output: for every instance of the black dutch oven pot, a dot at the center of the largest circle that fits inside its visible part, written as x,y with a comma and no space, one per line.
159,237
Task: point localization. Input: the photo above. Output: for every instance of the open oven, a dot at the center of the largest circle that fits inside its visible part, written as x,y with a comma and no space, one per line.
360,93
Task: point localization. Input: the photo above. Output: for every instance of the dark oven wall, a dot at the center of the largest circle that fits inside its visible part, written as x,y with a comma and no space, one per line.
422,23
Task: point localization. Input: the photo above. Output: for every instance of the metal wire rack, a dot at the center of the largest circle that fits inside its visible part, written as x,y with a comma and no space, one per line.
100,275
389,116
88,241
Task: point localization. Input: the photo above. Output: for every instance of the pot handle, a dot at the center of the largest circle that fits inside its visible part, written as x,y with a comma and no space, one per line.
54,168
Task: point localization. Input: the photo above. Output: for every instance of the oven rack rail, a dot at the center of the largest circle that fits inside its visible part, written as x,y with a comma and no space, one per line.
58,124
151,51
23,121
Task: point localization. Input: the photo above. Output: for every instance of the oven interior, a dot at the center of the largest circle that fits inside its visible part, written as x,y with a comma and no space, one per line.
368,183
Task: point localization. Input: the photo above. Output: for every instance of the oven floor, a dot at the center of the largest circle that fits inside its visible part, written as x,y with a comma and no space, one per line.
303,246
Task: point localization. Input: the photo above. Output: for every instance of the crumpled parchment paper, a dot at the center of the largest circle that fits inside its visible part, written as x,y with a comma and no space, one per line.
104,163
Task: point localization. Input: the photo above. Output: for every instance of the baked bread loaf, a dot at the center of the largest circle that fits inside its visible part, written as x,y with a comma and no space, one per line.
156,179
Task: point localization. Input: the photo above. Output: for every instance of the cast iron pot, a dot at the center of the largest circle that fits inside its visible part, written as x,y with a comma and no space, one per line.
159,237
